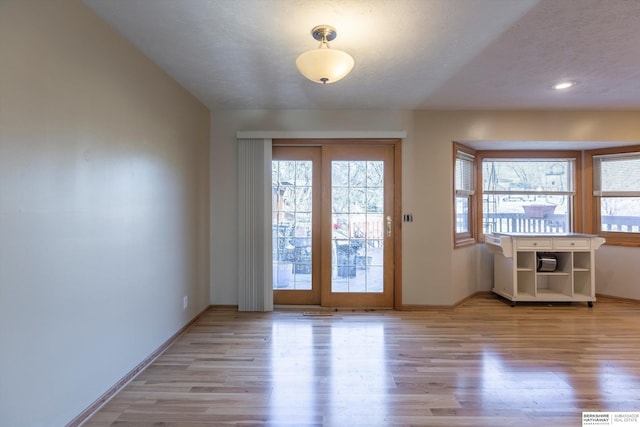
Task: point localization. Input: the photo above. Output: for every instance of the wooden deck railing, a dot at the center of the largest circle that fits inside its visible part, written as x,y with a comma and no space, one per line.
554,223
520,223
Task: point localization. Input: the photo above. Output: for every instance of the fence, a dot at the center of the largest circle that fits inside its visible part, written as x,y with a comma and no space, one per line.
521,223
554,223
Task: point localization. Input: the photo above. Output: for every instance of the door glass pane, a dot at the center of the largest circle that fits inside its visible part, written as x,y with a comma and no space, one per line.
291,194
357,195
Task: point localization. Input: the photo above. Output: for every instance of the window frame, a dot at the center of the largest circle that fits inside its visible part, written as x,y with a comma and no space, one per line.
593,203
575,217
468,237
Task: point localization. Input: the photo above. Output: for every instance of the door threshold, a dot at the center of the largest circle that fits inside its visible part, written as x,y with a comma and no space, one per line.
321,309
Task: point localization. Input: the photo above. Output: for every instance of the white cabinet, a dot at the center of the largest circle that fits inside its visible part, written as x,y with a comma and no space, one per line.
544,267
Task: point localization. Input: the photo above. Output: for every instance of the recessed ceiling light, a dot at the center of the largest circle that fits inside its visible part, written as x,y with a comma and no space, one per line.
564,85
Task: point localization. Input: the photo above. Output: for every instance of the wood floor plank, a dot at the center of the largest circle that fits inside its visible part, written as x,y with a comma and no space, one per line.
483,363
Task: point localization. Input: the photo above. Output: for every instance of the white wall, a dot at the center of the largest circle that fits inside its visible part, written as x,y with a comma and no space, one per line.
618,271
433,272
104,210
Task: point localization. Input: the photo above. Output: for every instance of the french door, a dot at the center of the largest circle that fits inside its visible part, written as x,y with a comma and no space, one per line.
295,205
333,225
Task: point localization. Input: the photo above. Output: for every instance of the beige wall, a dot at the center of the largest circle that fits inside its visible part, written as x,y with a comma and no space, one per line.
224,173
433,272
104,209
612,126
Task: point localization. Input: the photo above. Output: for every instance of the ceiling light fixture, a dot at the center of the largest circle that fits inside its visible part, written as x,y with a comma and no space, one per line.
324,65
564,85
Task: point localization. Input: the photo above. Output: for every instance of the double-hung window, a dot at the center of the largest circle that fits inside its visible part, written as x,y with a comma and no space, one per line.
616,195
535,192
529,192
464,189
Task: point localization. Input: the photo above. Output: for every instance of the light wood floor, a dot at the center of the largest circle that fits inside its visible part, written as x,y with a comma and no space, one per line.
483,363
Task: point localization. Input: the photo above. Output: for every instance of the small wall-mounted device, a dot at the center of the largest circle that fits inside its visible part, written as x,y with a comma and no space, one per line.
407,218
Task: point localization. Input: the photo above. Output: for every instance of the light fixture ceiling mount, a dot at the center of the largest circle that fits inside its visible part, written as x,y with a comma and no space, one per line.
324,65
324,33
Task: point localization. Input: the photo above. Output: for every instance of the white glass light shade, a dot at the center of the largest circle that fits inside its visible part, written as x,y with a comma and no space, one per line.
324,65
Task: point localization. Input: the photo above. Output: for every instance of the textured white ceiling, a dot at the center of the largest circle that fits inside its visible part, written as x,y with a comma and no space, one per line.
410,54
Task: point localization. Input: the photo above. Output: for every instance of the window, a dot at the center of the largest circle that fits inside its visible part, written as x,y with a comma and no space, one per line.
464,189
616,195
528,192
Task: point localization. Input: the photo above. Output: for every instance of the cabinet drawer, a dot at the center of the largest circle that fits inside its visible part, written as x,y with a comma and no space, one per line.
571,243
533,243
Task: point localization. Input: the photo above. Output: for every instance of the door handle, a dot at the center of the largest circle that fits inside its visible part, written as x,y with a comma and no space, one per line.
389,222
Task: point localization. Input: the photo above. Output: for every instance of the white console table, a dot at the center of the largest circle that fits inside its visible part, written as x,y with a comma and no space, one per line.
522,273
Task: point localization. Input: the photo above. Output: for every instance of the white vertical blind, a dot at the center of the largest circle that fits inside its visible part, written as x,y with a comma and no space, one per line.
254,225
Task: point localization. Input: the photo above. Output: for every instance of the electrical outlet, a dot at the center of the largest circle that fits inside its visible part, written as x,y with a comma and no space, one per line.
185,302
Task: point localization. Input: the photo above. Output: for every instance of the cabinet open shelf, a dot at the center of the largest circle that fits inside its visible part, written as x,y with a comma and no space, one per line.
581,261
526,296
548,293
